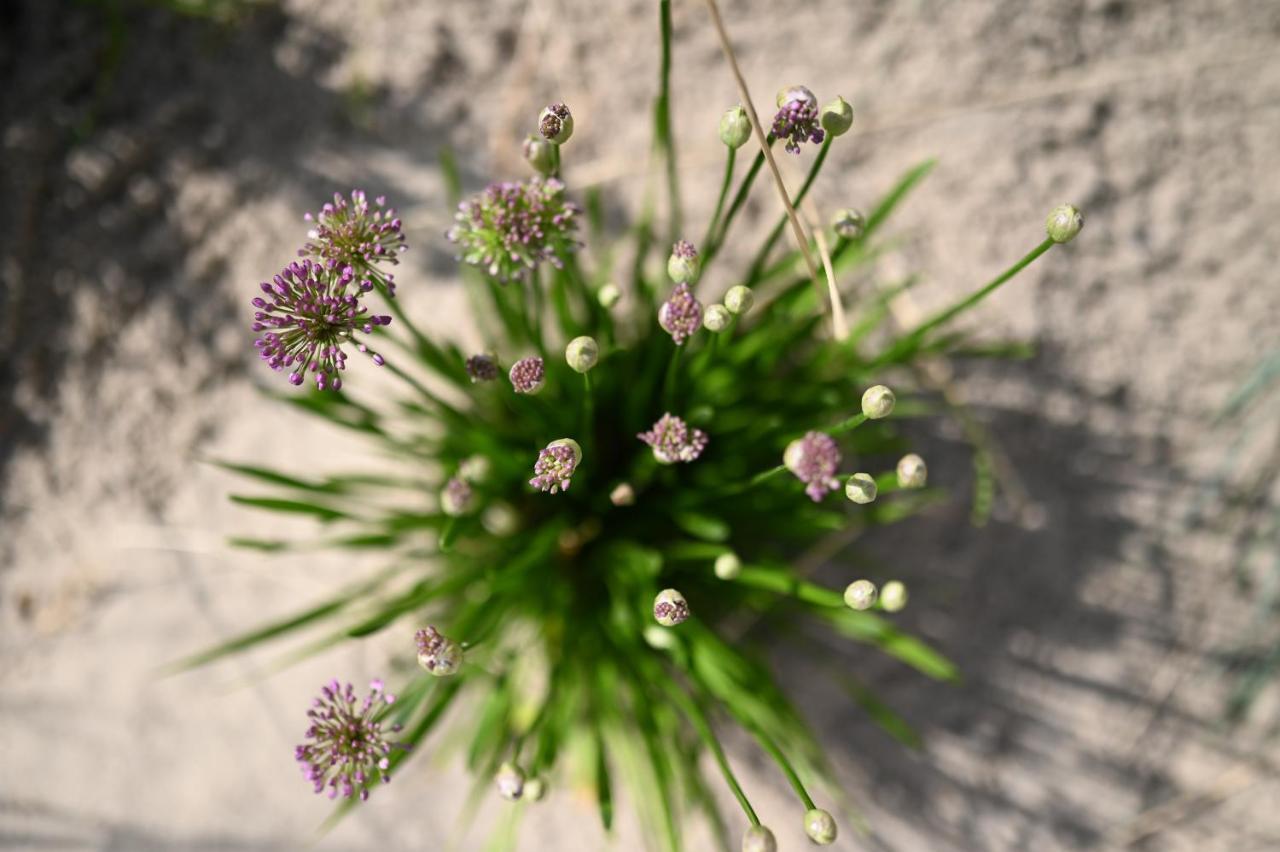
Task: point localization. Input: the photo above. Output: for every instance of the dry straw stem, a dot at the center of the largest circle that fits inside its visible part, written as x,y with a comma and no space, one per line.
838,323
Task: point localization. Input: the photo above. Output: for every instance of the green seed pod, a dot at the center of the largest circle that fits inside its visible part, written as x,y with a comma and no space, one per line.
739,299
509,781
728,566
670,608
759,839
877,402
820,826
582,353
716,318
912,472
849,224
540,154
861,488
893,596
860,595
1064,223
837,117
609,295
735,127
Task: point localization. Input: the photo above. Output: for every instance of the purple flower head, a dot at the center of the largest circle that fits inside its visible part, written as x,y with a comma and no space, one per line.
355,233
797,120
510,228
307,314
347,748
555,465
456,498
683,265
814,459
482,368
437,653
673,441
681,314
527,375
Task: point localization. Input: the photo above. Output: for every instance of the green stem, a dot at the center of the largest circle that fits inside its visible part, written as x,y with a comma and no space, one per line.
698,718
724,192
739,198
767,743
848,425
662,120
588,411
763,254
672,379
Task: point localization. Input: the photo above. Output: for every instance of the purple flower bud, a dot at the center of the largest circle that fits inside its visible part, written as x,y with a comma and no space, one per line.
438,654
683,265
555,465
673,441
814,459
681,315
528,375
347,746
797,120
509,781
482,368
670,608
355,234
456,498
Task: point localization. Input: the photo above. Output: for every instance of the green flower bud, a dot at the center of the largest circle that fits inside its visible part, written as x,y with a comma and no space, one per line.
1064,223
759,839
509,781
893,596
728,566
796,93
912,472
556,124
716,318
739,299
609,295
849,224
670,608
820,826
540,154
622,495
582,353
684,265
860,595
861,488
535,789
877,402
735,127
837,117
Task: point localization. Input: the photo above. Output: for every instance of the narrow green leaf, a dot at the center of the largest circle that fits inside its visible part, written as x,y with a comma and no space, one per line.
293,507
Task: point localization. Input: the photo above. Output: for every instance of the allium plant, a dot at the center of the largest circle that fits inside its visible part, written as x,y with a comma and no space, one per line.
584,582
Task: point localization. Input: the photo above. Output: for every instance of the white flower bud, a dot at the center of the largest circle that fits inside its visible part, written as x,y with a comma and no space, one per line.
540,154
475,468
759,839
500,519
820,826
609,295
848,223
837,117
1064,223
535,789
893,596
656,637
670,608
861,488
438,654
796,93
912,472
877,402
582,353
735,127
739,299
716,318
684,264
509,781
728,566
622,495
860,595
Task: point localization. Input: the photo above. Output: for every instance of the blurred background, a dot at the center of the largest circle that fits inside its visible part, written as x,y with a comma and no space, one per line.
1117,621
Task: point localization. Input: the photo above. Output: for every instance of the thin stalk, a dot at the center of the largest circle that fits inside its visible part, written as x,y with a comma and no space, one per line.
588,410
767,743
730,159
672,378
662,119
533,314
698,718
848,425
739,199
763,255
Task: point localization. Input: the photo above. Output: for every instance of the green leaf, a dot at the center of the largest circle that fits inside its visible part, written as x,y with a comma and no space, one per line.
882,714
702,526
872,629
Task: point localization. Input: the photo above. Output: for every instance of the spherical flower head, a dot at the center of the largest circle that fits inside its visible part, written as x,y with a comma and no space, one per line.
717,318
510,781
582,353
438,654
681,314
893,597
555,465
670,608
540,154
739,299
877,402
535,789
456,498
511,228
555,123
347,747
759,839
1064,223
482,368
820,826
735,127
306,315
673,441
622,494
849,224
861,488
860,595
814,459
837,116
608,295
355,233
728,566
683,266
528,375
797,118
912,472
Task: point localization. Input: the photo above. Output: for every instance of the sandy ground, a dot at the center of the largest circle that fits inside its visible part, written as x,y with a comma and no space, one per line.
152,176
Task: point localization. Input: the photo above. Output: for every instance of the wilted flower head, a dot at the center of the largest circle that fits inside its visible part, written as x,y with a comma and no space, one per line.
555,465
582,353
848,223
555,123
739,298
797,118
814,459
528,375
1064,223
893,596
683,265
861,488
820,826
878,402
347,748
353,233
735,127
673,441
860,594
681,314
510,781
670,608
912,472
512,227
717,318
538,152
456,498
759,839
837,116
437,653
310,310
482,368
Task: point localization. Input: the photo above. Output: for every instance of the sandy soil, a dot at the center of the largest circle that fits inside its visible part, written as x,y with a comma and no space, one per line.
153,172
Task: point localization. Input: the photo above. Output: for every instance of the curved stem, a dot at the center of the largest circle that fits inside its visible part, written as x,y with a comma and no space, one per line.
739,198
763,254
767,743
724,192
698,718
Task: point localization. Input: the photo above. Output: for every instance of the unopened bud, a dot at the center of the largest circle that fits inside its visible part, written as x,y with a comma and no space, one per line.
893,596
728,566
759,839
437,653
540,154
456,499
735,127
662,640
475,468
509,781
848,223
796,94
912,472
608,296
556,124
877,402
535,789
1064,223
582,353
861,488
837,117
716,318
820,826
670,608
860,595
622,495
500,519
739,299
683,265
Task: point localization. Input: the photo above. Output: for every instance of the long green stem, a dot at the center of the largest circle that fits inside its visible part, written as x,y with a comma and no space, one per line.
767,743
739,199
698,718
670,382
662,118
730,159
848,425
763,254
588,411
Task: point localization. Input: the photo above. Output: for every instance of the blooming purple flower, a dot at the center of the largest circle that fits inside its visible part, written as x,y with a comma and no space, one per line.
555,465
814,459
482,368
510,228
355,233
347,747
309,311
673,441
527,375
797,119
681,314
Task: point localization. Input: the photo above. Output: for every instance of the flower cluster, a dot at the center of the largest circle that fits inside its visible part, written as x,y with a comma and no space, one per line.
555,465
528,375
347,747
681,314
438,654
355,233
814,459
510,228
673,441
797,119
482,368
